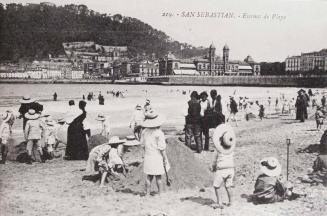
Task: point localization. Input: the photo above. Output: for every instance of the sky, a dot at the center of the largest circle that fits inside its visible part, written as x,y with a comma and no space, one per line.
268,30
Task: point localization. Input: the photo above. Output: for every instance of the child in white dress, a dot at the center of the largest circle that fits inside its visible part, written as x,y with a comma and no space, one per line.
155,157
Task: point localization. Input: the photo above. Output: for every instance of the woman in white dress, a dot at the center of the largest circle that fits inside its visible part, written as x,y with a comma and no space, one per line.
155,157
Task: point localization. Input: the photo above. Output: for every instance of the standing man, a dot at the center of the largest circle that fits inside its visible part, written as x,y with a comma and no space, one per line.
323,101
193,122
301,106
28,103
55,96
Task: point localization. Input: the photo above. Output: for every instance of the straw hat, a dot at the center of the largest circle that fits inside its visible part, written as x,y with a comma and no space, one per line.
31,114
270,166
138,107
224,139
153,119
116,140
132,143
101,117
61,120
26,99
5,116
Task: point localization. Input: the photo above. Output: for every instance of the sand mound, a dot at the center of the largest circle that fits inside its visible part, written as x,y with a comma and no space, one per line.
96,140
186,171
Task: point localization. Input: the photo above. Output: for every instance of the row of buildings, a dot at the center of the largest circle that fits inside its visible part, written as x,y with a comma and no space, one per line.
306,62
91,60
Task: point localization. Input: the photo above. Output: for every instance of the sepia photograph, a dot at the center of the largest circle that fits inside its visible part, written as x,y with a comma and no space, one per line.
163,108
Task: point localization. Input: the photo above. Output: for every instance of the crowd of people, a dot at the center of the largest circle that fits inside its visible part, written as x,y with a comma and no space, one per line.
203,113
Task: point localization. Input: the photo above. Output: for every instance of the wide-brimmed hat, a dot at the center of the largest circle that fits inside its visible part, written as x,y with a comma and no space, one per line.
116,140
27,99
301,90
101,117
224,139
270,166
153,119
31,114
5,116
61,120
138,107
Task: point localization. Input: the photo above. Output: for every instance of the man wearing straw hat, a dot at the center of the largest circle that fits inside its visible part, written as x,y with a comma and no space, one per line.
28,103
4,136
33,132
223,165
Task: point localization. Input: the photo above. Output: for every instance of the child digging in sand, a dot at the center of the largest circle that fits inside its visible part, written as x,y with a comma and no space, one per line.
223,165
105,159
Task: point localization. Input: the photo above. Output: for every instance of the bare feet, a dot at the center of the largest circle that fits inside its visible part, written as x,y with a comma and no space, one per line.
217,206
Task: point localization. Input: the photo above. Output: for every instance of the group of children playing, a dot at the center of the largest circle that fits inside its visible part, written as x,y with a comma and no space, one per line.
106,159
268,188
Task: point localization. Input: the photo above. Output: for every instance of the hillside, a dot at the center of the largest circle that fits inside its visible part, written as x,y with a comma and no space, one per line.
34,31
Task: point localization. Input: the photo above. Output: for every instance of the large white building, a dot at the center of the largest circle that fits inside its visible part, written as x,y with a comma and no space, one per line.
210,65
313,61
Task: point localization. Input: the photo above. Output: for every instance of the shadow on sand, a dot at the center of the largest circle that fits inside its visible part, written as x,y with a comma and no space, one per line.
199,200
313,148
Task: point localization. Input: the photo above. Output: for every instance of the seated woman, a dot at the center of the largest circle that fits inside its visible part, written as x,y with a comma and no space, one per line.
268,189
105,159
319,169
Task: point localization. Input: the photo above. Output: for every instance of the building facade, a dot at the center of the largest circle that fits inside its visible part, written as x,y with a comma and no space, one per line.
306,62
210,65
94,58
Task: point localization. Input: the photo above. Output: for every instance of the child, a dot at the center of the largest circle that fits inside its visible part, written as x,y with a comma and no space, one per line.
137,119
319,116
318,173
4,136
50,137
233,110
105,128
33,131
268,189
261,112
155,157
147,105
223,164
106,159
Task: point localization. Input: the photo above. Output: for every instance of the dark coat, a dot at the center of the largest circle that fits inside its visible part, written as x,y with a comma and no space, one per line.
77,148
268,190
301,107
23,109
194,110
233,106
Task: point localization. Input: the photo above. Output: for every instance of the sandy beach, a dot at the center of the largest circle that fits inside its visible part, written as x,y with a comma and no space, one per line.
56,187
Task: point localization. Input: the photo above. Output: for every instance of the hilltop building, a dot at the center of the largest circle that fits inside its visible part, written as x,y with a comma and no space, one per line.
312,61
94,58
210,65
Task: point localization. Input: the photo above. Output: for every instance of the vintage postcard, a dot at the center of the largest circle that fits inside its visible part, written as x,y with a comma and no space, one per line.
163,108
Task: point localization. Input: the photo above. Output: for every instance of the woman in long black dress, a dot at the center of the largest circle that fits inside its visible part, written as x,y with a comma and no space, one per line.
77,148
